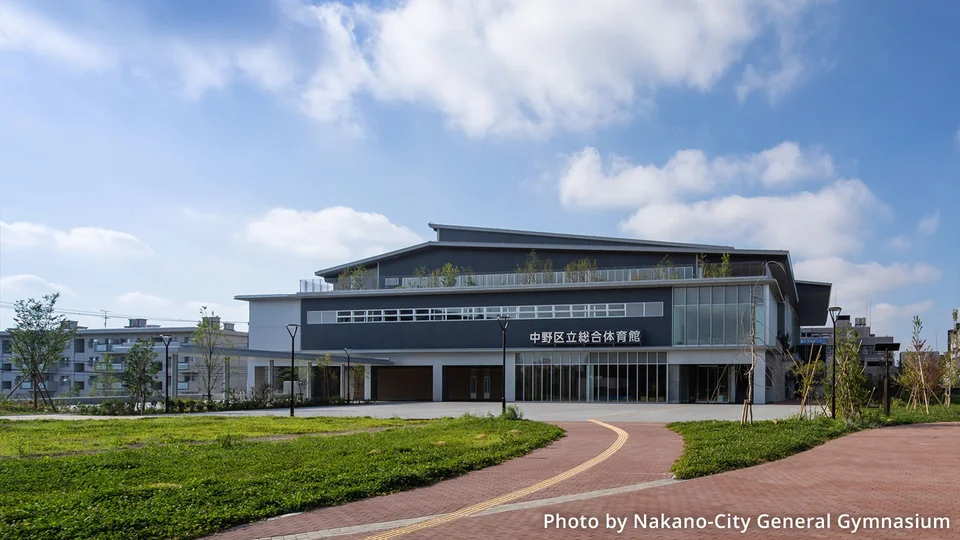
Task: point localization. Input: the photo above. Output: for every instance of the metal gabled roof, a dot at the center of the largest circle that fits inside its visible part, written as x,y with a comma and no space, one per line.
627,241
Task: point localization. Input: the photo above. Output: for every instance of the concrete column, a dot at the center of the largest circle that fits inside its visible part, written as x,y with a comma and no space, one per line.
308,393
438,381
367,381
673,383
732,382
251,376
270,376
760,382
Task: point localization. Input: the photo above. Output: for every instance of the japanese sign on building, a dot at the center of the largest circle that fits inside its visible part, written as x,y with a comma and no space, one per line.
608,337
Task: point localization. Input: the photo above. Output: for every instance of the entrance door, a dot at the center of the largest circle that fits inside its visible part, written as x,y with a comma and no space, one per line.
473,387
486,387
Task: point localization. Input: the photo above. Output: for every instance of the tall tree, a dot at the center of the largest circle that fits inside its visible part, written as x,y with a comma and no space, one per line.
210,337
139,373
921,369
38,340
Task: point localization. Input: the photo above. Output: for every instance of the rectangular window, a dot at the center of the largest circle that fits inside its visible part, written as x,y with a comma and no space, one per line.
653,309
717,295
730,294
561,312
406,314
620,310
359,316
423,315
693,322
679,296
544,312
705,330
716,332
705,295
390,315
437,314
679,325
730,324
693,296
343,317
454,314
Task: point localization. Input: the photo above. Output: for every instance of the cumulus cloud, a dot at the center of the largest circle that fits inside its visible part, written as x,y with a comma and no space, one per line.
21,286
333,234
855,283
586,182
683,199
519,67
85,241
929,224
884,315
526,67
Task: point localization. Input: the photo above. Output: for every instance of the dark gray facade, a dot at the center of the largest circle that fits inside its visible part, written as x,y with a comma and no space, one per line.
478,334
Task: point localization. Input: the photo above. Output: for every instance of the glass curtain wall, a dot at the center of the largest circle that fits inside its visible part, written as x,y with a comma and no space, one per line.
720,315
618,376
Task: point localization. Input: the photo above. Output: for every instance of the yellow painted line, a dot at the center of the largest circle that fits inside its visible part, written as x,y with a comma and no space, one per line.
622,437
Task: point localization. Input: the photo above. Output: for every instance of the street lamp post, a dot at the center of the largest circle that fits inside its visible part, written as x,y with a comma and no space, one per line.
166,339
887,350
504,321
834,314
347,351
292,330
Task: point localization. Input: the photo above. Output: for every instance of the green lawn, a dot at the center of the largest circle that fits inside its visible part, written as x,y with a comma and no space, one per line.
713,446
186,491
45,437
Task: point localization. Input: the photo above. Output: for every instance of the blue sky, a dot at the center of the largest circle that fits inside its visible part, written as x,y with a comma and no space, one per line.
160,156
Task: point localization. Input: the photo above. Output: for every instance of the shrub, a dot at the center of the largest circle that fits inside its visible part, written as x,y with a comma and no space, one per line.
513,412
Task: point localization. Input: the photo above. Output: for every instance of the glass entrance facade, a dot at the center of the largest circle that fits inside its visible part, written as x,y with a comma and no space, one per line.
609,376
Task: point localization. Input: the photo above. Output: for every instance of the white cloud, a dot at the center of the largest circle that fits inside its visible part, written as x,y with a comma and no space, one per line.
22,234
525,67
142,300
775,83
929,224
22,286
88,241
97,241
810,224
267,65
900,243
688,172
856,283
885,315
332,234
23,30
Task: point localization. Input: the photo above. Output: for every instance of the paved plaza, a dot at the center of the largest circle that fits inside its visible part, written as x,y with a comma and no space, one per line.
899,471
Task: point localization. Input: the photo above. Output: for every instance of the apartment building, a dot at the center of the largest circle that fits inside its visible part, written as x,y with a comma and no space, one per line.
97,355
821,339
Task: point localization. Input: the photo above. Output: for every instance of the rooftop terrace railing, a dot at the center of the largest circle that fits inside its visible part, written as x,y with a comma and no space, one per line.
507,279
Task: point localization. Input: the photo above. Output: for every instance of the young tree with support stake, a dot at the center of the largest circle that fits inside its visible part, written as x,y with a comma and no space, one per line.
214,366
38,342
139,373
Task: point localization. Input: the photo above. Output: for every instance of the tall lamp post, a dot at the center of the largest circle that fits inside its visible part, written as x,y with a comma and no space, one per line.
887,350
834,314
504,321
166,339
347,351
292,330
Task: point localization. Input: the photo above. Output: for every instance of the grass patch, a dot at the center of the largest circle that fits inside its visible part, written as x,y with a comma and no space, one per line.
45,437
186,491
713,446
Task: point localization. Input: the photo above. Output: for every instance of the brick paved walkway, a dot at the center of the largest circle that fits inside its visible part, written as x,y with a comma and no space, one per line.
648,454
897,471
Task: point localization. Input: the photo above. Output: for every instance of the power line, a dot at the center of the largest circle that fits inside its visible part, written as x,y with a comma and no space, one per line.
111,315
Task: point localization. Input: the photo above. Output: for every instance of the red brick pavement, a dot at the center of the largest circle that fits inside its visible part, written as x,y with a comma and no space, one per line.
897,471
648,454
